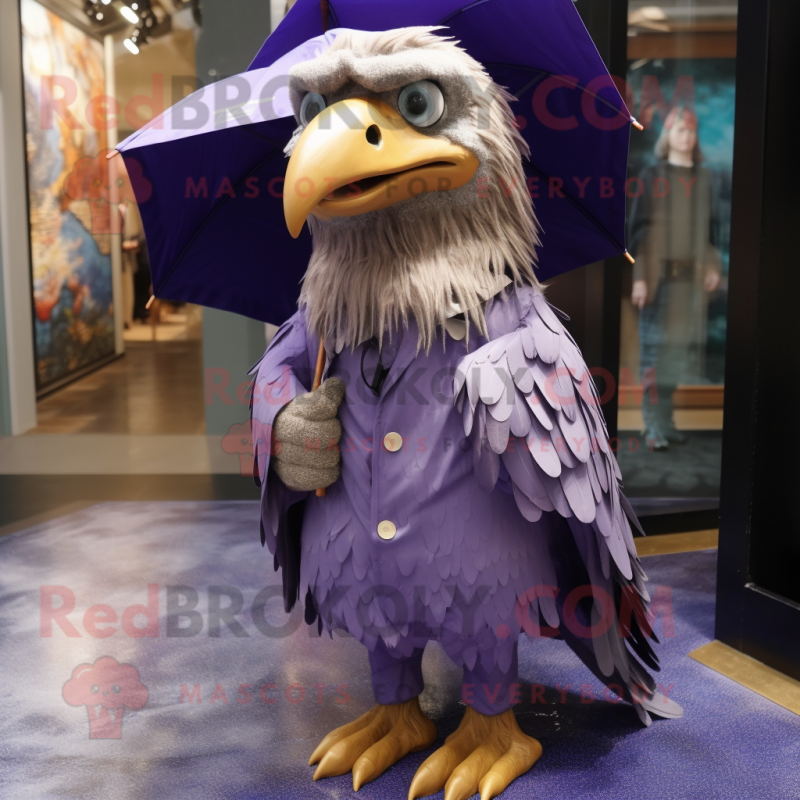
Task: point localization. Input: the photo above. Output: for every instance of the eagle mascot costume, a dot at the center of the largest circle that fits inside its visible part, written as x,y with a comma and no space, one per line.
450,479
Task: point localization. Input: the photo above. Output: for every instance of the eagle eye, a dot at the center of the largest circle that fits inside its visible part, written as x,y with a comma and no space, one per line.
313,103
421,103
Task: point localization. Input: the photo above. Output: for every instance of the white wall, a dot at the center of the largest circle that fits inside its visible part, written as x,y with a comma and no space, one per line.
116,239
18,382
276,9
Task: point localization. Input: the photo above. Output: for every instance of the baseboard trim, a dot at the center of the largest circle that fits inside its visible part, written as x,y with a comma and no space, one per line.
746,671
668,543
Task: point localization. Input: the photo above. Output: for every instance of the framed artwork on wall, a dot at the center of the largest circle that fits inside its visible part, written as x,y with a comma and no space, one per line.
68,175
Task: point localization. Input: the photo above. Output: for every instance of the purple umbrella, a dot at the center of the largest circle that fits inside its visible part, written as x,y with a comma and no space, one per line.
210,169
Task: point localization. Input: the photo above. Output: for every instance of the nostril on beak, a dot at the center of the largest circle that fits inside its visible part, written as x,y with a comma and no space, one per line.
374,135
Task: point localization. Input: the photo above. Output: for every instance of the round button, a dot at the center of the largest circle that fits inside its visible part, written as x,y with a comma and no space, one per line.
393,442
387,529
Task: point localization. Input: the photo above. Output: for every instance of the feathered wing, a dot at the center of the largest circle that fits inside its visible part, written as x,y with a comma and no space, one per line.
532,410
281,374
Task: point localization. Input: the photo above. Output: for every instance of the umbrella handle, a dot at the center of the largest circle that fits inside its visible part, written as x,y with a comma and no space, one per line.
317,381
324,7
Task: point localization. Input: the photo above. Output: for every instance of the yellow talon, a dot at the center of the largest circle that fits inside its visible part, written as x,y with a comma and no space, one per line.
485,754
370,745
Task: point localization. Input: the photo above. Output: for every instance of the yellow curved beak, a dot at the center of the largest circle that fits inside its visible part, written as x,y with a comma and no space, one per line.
360,155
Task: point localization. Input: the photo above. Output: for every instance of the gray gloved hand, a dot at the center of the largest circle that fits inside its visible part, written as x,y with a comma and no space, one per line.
306,434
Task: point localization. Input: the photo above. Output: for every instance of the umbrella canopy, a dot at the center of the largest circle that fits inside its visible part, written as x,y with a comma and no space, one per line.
209,171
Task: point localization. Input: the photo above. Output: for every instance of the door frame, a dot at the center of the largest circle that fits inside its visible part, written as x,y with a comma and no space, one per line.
761,382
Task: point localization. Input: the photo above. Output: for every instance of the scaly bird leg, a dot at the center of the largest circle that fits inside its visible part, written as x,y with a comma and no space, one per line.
485,754
375,741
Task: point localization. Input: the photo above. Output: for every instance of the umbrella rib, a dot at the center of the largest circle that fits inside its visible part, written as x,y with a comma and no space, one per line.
543,72
332,16
580,208
541,173
531,84
213,212
130,140
462,10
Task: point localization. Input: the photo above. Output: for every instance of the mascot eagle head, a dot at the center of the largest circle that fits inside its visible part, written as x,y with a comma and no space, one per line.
407,166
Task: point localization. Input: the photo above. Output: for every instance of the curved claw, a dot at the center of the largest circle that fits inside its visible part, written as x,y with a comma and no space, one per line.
375,741
340,733
341,757
517,760
485,754
437,768
466,777
405,737
364,771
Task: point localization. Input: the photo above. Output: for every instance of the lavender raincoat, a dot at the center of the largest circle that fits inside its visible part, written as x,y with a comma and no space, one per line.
478,498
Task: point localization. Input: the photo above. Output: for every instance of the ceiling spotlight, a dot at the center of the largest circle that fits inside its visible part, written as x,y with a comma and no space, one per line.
106,2
139,36
131,46
129,14
98,16
134,6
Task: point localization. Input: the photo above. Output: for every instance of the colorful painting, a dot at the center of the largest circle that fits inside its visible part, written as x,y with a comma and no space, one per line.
70,252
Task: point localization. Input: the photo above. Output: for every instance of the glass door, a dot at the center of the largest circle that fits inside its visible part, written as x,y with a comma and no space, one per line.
680,85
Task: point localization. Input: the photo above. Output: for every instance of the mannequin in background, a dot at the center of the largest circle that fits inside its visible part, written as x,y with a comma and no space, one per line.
128,264
676,267
135,265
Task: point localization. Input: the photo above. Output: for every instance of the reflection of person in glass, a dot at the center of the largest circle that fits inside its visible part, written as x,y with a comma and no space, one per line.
676,266
136,279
